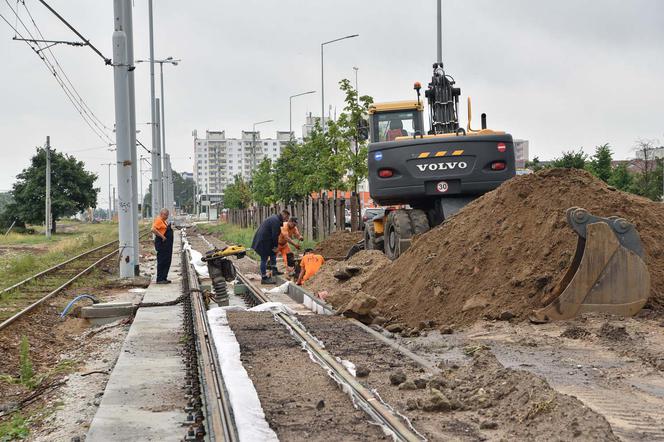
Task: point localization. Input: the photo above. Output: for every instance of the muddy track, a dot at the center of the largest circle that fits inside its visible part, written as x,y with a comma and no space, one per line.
477,400
300,401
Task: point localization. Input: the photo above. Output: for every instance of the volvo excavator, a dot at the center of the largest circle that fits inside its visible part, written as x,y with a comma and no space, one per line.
424,178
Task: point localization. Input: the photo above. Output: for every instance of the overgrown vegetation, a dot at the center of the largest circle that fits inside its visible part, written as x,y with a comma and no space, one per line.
15,428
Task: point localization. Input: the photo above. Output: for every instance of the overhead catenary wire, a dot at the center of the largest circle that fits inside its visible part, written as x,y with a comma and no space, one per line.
64,74
89,120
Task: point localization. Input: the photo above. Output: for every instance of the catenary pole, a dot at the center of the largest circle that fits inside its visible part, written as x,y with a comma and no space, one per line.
156,206
160,171
439,31
128,27
47,221
122,140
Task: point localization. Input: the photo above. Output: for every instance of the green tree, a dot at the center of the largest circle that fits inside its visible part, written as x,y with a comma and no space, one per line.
352,125
183,191
571,160
238,194
72,188
263,183
600,163
534,165
621,178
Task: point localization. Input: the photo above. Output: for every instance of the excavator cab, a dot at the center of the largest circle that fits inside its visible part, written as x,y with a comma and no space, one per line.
388,121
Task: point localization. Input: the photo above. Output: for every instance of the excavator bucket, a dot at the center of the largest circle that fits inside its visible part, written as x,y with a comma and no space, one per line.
608,273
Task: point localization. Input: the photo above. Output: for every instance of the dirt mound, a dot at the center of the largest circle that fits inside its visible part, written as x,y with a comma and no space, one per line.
336,245
340,293
507,250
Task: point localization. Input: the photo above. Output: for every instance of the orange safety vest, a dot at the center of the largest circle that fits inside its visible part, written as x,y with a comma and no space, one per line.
310,264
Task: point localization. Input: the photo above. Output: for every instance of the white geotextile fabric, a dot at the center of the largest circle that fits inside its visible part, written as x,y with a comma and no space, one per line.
250,419
283,288
200,266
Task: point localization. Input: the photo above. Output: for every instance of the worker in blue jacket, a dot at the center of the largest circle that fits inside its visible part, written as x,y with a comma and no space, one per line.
265,244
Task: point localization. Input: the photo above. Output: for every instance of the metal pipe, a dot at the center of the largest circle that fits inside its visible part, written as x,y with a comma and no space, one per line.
439,29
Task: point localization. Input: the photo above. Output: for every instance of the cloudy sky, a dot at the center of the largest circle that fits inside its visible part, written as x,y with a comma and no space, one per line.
563,74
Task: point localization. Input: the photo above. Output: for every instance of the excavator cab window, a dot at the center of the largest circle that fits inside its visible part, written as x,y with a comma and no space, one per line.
389,125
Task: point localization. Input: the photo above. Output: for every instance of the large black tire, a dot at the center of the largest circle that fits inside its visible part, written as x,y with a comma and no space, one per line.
398,232
370,240
419,221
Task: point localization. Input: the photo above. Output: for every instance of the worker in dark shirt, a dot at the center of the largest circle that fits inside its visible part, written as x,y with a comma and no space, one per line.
265,243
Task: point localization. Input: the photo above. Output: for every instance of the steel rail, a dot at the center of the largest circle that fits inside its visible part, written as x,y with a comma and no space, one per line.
63,286
368,401
55,267
221,422
57,290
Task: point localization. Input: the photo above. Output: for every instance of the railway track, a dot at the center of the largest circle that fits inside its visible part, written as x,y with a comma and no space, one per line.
220,414
21,298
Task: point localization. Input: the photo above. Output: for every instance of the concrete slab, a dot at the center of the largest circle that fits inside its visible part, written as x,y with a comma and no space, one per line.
144,398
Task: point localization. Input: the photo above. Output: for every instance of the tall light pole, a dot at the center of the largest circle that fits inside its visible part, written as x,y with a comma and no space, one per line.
162,124
253,147
290,109
110,201
357,91
48,188
322,78
153,112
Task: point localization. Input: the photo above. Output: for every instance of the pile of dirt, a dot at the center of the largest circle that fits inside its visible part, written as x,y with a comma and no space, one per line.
504,253
338,244
346,293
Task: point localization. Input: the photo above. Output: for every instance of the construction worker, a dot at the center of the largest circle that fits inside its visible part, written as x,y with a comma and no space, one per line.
266,240
309,265
163,244
288,233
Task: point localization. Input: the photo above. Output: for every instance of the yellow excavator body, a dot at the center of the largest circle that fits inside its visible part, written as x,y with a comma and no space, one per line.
608,273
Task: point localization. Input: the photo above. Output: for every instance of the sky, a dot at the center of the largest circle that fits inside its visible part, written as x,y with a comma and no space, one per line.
563,74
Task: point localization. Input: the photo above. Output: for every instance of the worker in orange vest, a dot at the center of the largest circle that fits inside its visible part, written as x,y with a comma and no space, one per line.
289,232
309,265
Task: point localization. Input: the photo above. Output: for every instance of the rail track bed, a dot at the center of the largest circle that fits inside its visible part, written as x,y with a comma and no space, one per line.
471,396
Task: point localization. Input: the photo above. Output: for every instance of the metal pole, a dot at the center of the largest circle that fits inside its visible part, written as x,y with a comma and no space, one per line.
357,91
162,125
128,27
159,190
290,116
322,90
110,216
122,140
141,180
155,152
47,221
253,153
439,23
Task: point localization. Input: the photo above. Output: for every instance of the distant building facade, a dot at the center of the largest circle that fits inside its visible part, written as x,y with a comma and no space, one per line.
218,159
521,153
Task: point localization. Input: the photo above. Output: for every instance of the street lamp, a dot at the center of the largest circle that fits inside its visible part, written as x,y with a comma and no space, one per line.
357,92
290,109
322,78
174,62
253,147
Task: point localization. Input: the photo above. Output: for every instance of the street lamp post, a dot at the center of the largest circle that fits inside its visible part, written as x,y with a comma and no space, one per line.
253,147
357,91
290,109
162,124
322,78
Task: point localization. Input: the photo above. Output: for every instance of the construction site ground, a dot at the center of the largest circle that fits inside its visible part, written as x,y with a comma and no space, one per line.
594,378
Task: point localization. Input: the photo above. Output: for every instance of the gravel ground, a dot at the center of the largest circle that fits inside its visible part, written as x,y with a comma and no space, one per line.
300,401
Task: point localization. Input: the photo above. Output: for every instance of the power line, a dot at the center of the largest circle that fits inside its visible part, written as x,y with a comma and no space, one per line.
64,73
86,117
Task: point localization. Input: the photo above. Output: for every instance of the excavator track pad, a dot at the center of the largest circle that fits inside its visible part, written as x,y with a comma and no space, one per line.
608,273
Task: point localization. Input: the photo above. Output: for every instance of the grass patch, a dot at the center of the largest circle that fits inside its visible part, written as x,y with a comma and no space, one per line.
13,429
17,266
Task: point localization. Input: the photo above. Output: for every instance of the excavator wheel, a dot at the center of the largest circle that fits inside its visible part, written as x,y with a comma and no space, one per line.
370,240
419,221
607,274
398,233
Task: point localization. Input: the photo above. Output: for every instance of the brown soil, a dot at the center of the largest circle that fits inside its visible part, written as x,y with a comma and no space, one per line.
340,292
504,252
478,400
300,401
338,244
